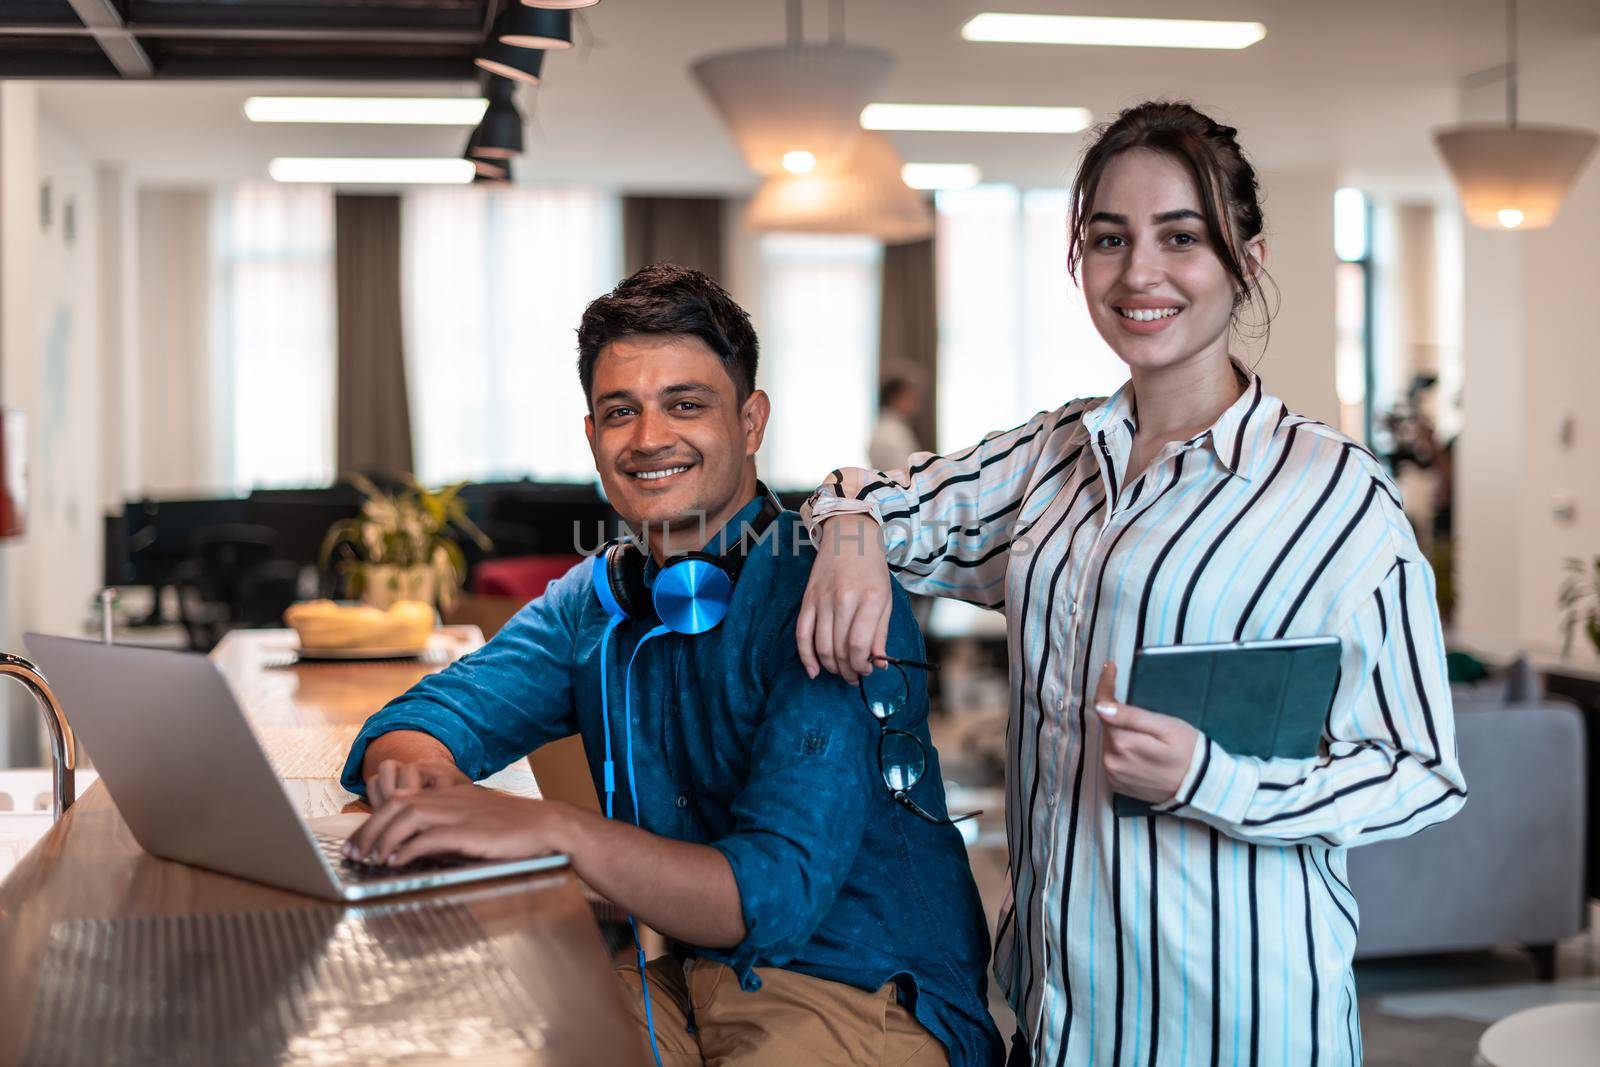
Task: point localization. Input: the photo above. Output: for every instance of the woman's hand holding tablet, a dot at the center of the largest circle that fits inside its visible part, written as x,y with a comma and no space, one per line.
1145,754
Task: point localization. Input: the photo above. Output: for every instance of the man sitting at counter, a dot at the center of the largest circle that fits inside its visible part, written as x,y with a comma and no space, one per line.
812,917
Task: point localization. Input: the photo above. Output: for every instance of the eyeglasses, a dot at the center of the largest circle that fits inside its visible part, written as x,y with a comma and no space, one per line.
902,759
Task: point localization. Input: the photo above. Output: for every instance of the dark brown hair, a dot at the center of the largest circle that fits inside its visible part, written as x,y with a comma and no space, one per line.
668,299
1222,175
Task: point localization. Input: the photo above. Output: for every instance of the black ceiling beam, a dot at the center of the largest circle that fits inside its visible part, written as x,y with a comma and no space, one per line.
60,57
365,68
263,33
123,50
41,11
223,16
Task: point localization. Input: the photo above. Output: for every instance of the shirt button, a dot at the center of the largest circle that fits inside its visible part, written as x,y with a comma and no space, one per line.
683,801
1061,704
1049,800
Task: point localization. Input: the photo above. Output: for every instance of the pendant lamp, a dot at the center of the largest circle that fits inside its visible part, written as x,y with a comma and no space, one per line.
797,100
865,195
1513,176
560,5
498,172
490,166
521,64
528,27
499,135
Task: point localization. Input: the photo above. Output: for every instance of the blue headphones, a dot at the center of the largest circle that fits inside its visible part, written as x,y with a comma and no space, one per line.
691,592
690,595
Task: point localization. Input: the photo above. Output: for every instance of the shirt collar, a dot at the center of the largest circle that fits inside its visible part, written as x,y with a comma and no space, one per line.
1237,437
1119,407
720,541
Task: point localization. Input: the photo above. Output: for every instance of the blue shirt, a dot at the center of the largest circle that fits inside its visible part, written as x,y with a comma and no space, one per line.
736,748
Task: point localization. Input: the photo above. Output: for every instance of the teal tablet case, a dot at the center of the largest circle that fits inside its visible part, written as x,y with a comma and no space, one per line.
1254,698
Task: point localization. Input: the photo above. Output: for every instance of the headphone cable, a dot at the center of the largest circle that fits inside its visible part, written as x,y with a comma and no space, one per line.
633,793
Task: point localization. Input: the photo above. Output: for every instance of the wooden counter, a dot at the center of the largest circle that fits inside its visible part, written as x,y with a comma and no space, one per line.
306,714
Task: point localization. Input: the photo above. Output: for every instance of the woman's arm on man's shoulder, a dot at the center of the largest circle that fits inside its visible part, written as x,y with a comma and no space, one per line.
943,527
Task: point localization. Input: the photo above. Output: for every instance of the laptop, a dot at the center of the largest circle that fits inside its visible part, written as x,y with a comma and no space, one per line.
190,779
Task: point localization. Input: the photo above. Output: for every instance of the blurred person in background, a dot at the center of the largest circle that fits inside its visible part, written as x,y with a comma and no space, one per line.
894,436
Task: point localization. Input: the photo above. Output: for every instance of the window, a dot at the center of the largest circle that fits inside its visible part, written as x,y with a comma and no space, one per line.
1354,370
494,286
1015,336
819,353
274,335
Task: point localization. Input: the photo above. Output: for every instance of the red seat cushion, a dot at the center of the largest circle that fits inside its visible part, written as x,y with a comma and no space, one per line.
523,577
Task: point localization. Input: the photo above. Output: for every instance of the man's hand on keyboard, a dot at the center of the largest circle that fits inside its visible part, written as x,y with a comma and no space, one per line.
461,820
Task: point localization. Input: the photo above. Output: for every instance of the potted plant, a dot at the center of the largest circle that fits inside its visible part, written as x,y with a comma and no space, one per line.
403,544
1580,601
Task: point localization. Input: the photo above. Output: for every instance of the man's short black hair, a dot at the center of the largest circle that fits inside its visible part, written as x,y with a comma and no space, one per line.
668,299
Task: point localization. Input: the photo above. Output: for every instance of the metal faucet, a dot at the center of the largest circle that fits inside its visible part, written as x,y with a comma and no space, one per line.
63,746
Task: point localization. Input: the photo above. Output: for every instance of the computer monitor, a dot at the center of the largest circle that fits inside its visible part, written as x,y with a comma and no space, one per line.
159,535
541,518
303,517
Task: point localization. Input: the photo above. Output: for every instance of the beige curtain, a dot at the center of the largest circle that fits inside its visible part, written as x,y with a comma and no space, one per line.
908,333
686,230
374,416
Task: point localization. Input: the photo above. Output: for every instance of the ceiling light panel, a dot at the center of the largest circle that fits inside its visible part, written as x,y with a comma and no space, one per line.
975,118
359,110
1116,32
336,171
940,175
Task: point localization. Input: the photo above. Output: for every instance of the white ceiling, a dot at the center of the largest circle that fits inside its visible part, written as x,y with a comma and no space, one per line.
1353,85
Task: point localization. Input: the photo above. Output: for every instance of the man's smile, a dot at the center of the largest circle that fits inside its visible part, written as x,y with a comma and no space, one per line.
657,476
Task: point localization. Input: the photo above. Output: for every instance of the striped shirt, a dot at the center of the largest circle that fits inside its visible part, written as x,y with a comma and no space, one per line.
1223,932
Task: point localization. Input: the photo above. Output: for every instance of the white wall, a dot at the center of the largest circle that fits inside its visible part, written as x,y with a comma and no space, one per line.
1532,361
121,394
1490,453
65,524
19,237
50,370
1298,365
177,451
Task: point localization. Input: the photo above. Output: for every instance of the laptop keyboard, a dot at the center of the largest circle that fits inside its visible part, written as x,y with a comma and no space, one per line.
356,872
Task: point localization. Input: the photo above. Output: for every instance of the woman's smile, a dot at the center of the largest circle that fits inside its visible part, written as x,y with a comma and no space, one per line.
1143,321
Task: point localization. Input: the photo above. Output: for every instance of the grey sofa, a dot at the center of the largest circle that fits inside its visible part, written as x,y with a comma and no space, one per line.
1509,867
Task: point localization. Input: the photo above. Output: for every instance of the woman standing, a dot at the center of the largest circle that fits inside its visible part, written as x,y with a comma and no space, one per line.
1191,506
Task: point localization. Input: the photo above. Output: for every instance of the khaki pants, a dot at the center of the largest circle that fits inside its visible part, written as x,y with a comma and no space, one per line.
792,1019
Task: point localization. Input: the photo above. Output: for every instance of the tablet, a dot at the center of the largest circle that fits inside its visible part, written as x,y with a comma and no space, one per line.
1254,698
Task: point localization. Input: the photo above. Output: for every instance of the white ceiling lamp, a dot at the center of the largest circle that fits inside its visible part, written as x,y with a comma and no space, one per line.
797,98
940,175
865,196
336,171
368,110
975,118
1116,32
1513,177
560,5
799,161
